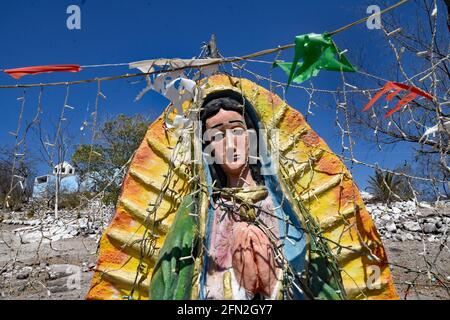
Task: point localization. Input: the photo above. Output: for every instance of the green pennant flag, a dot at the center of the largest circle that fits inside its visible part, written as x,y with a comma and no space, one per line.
318,52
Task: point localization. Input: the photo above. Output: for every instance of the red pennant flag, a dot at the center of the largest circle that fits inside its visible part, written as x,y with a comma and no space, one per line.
20,72
413,92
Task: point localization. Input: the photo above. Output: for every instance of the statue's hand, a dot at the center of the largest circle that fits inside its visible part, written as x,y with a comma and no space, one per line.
253,259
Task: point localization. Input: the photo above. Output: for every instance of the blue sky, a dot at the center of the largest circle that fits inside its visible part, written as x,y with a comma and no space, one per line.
35,33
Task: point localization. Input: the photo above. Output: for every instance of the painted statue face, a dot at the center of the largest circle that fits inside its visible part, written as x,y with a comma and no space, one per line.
228,136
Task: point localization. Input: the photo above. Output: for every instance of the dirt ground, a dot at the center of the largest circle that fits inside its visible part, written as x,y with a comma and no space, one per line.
63,270
409,266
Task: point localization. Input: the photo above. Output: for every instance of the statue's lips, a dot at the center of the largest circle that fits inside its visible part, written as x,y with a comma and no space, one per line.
236,159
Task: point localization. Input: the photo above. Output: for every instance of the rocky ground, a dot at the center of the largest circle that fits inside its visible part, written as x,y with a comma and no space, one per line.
46,258
416,237
404,221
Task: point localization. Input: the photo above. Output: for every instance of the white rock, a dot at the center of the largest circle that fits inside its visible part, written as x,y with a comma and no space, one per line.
54,230
366,195
391,227
411,226
62,270
24,273
443,230
409,236
404,237
425,205
32,237
396,210
411,205
376,212
56,238
429,227
83,223
34,222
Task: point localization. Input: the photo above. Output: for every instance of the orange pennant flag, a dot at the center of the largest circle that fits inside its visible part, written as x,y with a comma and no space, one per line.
413,92
18,73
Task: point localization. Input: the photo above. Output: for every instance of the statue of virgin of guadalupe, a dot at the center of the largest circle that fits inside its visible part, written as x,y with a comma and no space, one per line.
246,203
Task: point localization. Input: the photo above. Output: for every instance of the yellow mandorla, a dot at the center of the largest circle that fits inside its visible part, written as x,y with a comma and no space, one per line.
317,178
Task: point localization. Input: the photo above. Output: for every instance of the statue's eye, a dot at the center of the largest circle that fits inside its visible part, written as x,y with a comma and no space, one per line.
217,136
238,131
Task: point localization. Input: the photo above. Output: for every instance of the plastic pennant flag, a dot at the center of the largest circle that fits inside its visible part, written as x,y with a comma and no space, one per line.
438,127
317,51
173,85
397,87
18,73
185,91
147,66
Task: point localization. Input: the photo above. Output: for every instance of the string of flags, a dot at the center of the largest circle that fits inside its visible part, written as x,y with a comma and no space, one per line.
313,53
